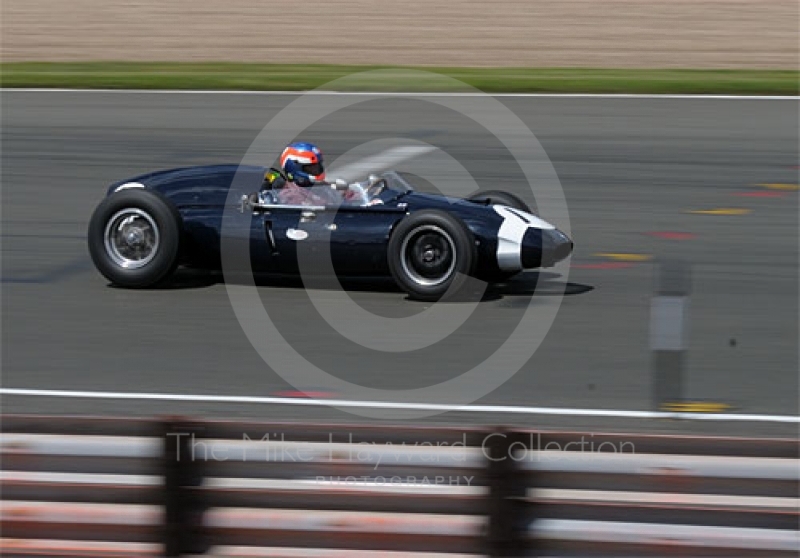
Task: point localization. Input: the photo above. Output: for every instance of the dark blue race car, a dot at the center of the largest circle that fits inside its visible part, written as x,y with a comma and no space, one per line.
430,244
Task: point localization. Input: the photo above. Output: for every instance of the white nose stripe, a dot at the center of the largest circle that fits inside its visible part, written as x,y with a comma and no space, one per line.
509,237
531,219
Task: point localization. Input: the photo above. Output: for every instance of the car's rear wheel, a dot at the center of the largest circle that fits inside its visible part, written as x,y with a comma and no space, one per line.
498,197
134,238
432,255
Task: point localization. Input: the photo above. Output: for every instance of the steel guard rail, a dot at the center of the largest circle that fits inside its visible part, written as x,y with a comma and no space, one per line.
81,486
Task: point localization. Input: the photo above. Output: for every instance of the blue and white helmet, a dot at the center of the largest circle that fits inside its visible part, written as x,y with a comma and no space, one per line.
302,163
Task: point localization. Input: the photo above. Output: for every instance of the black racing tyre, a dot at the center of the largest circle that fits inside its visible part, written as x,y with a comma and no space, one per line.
498,197
432,255
134,238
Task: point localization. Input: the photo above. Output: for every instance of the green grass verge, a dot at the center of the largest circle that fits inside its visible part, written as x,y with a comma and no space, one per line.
134,75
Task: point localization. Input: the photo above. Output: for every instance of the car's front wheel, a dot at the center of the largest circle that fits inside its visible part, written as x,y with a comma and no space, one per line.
134,238
432,255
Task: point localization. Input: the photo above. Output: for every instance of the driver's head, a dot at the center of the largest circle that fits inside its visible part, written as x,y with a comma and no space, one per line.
302,163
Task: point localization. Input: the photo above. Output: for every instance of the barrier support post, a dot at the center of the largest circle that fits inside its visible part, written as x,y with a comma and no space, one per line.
508,511
183,512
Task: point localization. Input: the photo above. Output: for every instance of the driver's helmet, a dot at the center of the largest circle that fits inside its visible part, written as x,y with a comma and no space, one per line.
302,163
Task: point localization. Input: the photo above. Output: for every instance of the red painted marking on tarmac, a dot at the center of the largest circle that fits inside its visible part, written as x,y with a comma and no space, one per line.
602,265
760,194
672,235
303,394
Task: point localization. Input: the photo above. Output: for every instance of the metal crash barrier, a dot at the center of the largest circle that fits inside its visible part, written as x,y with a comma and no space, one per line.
133,487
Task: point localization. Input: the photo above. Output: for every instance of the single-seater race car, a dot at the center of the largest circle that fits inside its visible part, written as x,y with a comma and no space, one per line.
149,225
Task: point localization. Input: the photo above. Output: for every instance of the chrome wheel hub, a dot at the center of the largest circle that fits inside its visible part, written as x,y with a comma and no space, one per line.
131,238
428,255
134,237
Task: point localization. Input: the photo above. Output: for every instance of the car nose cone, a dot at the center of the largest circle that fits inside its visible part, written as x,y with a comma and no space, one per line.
544,248
557,246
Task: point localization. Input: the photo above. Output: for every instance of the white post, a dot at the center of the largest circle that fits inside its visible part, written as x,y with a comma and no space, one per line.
669,332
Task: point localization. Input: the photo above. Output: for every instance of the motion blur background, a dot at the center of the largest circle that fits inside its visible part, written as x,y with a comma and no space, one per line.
712,181
639,175
512,33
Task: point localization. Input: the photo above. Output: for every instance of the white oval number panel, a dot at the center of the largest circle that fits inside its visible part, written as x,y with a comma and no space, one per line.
296,234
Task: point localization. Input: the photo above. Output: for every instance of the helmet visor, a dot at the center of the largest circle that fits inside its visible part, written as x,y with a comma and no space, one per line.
314,169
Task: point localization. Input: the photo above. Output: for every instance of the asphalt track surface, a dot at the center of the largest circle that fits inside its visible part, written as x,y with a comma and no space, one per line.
629,168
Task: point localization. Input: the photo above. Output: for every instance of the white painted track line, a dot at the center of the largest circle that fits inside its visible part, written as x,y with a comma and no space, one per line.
406,94
343,403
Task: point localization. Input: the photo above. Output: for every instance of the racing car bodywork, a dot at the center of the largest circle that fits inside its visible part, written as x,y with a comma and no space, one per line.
149,225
